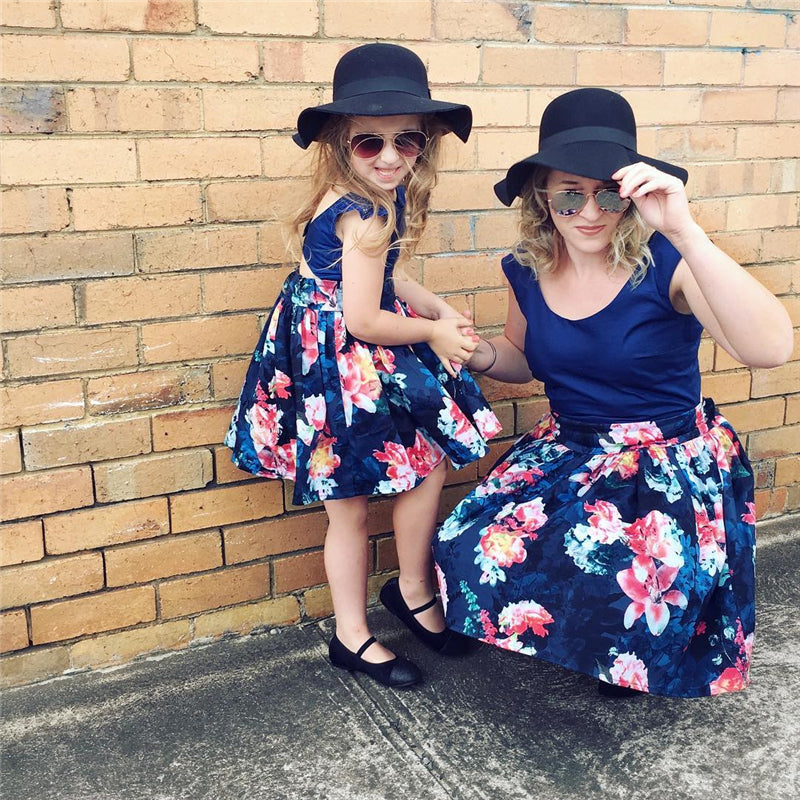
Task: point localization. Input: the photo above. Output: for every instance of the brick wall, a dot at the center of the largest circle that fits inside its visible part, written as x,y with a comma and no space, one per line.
146,167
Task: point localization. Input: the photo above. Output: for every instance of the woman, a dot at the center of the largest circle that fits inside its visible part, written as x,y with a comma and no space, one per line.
617,537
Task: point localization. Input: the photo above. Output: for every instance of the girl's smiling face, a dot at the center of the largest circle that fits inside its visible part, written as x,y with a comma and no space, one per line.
388,169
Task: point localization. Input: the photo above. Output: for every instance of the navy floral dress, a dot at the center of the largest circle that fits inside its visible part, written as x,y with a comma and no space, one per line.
339,416
621,549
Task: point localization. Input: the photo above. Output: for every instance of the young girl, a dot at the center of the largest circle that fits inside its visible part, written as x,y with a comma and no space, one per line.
350,394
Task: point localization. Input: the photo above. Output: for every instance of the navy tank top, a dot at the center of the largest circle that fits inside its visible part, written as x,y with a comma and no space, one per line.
635,359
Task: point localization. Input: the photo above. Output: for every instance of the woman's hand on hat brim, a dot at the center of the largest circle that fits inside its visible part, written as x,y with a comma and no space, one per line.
659,197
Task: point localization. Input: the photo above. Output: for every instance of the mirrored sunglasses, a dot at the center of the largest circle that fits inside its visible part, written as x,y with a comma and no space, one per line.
570,202
408,144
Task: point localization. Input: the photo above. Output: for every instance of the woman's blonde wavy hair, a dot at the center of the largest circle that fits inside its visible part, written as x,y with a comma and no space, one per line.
332,167
540,246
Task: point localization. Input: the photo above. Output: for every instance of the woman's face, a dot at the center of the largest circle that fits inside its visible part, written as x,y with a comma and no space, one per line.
589,230
388,168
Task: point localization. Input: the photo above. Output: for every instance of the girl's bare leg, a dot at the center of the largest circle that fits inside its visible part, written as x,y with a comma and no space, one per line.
346,564
414,519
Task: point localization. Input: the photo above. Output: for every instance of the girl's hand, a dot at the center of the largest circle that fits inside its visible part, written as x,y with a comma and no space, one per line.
451,342
659,197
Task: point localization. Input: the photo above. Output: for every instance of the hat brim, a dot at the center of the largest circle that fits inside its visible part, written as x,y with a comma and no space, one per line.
454,116
595,160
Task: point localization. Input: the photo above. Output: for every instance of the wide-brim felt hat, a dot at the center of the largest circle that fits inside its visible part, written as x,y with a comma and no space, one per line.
586,132
381,80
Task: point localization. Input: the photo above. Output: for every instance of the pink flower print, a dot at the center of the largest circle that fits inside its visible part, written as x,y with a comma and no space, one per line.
424,455
308,338
525,615
750,516
731,680
649,590
489,630
358,379
626,463
700,420
628,670
710,538
272,331
442,581
724,448
700,628
400,472
506,477
383,359
316,411
606,521
323,461
633,433
265,426
487,423
503,546
286,460
279,385
339,333
545,428
530,516
653,536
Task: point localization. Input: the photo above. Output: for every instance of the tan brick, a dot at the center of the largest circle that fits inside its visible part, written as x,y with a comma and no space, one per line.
665,106
578,25
529,413
491,307
79,351
464,191
777,381
213,507
785,175
742,29
728,105
755,415
789,103
386,554
727,387
317,603
71,57
27,14
411,19
496,231
51,579
32,258
43,161
203,248
247,618
264,107
301,61
710,215
256,200
776,141
523,66
449,63
227,378
707,66
257,540
742,247
202,337
179,429
13,631
282,158
238,290
195,59
106,525
731,178
133,108
299,572
32,109
36,209
770,502
117,648
35,665
666,27
35,403
225,587
96,613
787,470
618,68
78,443
776,277
783,441
500,149
706,353
769,211
10,453
45,492
225,471
449,273
154,475
169,16
772,68
483,19
781,244
792,409
446,233
276,18
136,206
21,542
162,558
28,308
199,158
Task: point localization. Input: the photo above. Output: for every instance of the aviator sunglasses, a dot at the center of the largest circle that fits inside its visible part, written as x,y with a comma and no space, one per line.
571,201
409,144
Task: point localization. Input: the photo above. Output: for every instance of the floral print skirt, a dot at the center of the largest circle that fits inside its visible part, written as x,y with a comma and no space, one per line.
625,552
344,418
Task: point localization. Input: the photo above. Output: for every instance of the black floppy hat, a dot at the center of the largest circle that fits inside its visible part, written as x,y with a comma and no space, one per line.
586,132
381,80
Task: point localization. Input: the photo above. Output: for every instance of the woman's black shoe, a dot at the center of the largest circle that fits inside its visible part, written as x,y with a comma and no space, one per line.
445,642
398,672
612,690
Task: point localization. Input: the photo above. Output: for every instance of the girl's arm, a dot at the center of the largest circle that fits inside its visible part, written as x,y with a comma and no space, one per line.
422,300
510,364
747,320
362,285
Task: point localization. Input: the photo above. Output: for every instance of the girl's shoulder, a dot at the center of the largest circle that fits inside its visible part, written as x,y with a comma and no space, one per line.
336,203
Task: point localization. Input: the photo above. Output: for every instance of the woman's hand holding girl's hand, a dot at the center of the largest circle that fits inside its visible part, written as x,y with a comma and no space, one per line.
453,341
659,197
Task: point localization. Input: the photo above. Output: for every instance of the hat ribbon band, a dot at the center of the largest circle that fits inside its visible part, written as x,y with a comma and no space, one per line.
589,133
369,85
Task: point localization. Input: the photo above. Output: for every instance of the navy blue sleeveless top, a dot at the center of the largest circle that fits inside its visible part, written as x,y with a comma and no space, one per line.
635,359
322,248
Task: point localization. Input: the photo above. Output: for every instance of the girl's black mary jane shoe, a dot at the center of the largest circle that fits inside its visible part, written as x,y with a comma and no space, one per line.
397,673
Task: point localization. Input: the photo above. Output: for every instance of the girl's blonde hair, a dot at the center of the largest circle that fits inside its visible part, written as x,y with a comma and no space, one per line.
540,246
332,167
